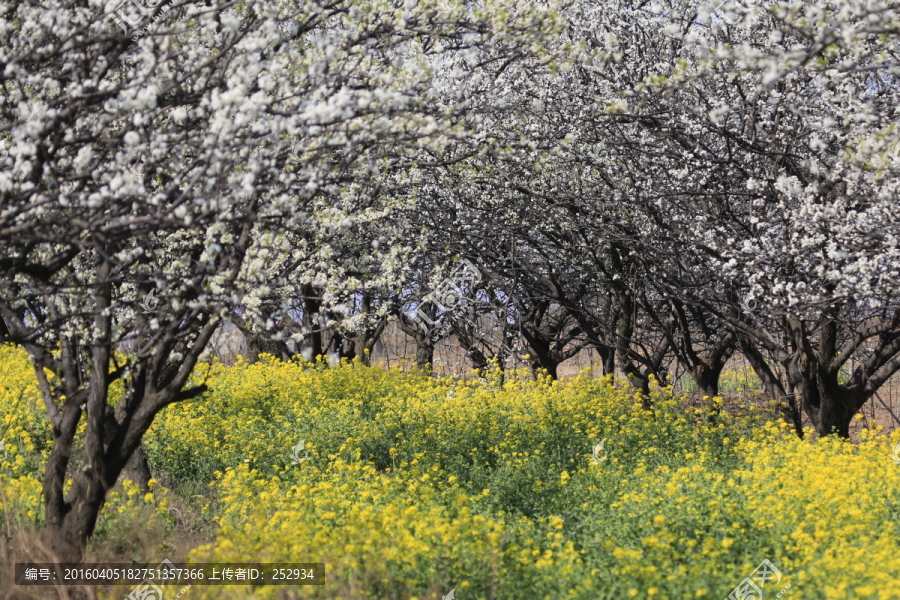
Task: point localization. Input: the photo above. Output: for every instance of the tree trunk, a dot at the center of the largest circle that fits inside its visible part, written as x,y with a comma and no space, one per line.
425,337
540,364
66,533
361,350
137,469
258,344
830,406
424,353
624,332
311,323
542,354
773,386
607,359
551,367
479,360
364,341
707,378
468,342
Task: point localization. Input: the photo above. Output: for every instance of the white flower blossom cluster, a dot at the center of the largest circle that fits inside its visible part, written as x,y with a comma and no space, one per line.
229,151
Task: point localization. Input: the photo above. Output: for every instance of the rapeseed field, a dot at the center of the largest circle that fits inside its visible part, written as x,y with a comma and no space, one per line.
408,487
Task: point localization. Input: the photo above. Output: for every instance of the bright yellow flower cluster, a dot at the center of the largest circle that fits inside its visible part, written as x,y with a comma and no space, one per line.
24,436
408,486
730,380
826,512
738,380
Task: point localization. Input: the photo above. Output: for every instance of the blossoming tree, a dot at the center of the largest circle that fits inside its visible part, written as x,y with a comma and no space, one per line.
177,164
